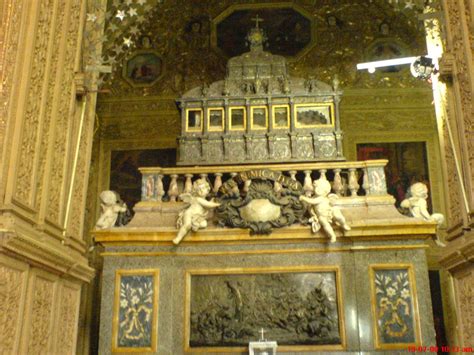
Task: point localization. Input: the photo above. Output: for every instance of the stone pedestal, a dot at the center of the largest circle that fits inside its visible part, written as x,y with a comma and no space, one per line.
373,283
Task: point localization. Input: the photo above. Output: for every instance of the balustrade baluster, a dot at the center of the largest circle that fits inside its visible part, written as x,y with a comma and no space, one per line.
173,189
217,182
308,183
322,173
160,191
353,184
365,182
293,174
277,186
337,185
188,185
235,189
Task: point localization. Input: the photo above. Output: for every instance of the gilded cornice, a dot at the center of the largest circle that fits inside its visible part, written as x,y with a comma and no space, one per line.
39,249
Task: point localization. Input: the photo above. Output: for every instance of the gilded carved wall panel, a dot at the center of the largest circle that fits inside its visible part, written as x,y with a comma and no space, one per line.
39,334
63,123
12,12
32,115
465,288
50,98
12,289
67,318
459,42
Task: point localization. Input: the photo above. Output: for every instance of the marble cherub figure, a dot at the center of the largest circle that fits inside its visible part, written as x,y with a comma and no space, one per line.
111,206
322,211
418,206
195,216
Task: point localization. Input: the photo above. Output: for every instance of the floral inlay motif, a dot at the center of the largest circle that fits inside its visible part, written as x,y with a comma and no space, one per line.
394,306
136,311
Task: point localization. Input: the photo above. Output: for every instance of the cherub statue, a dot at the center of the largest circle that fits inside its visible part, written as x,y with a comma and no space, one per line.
111,206
418,207
195,216
322,211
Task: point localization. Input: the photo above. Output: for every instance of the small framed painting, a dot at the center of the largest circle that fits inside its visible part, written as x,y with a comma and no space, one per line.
259,117
238,118
194,118
281,116
313,115
143,68
215,119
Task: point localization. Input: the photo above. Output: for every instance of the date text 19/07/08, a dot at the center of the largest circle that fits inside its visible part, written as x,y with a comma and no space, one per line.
435,349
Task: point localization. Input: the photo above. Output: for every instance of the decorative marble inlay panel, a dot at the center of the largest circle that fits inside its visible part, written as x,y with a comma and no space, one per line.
135,311
11,284
394,306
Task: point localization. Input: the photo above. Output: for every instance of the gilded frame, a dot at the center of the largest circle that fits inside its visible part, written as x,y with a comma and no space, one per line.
137,53
287,116
215,129
261,270
230,117
187,119
373,301
155,273
318,105
252,109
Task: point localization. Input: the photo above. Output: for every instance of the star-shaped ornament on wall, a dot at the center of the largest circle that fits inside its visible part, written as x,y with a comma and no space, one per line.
118,49
409,5
134,30
141,2
132,12
91,17
127,41
113,27
120,15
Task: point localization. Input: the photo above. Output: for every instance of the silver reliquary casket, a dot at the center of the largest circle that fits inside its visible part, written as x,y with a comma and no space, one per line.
259,114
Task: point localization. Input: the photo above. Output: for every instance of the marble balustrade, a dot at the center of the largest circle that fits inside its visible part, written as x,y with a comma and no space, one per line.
348,179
